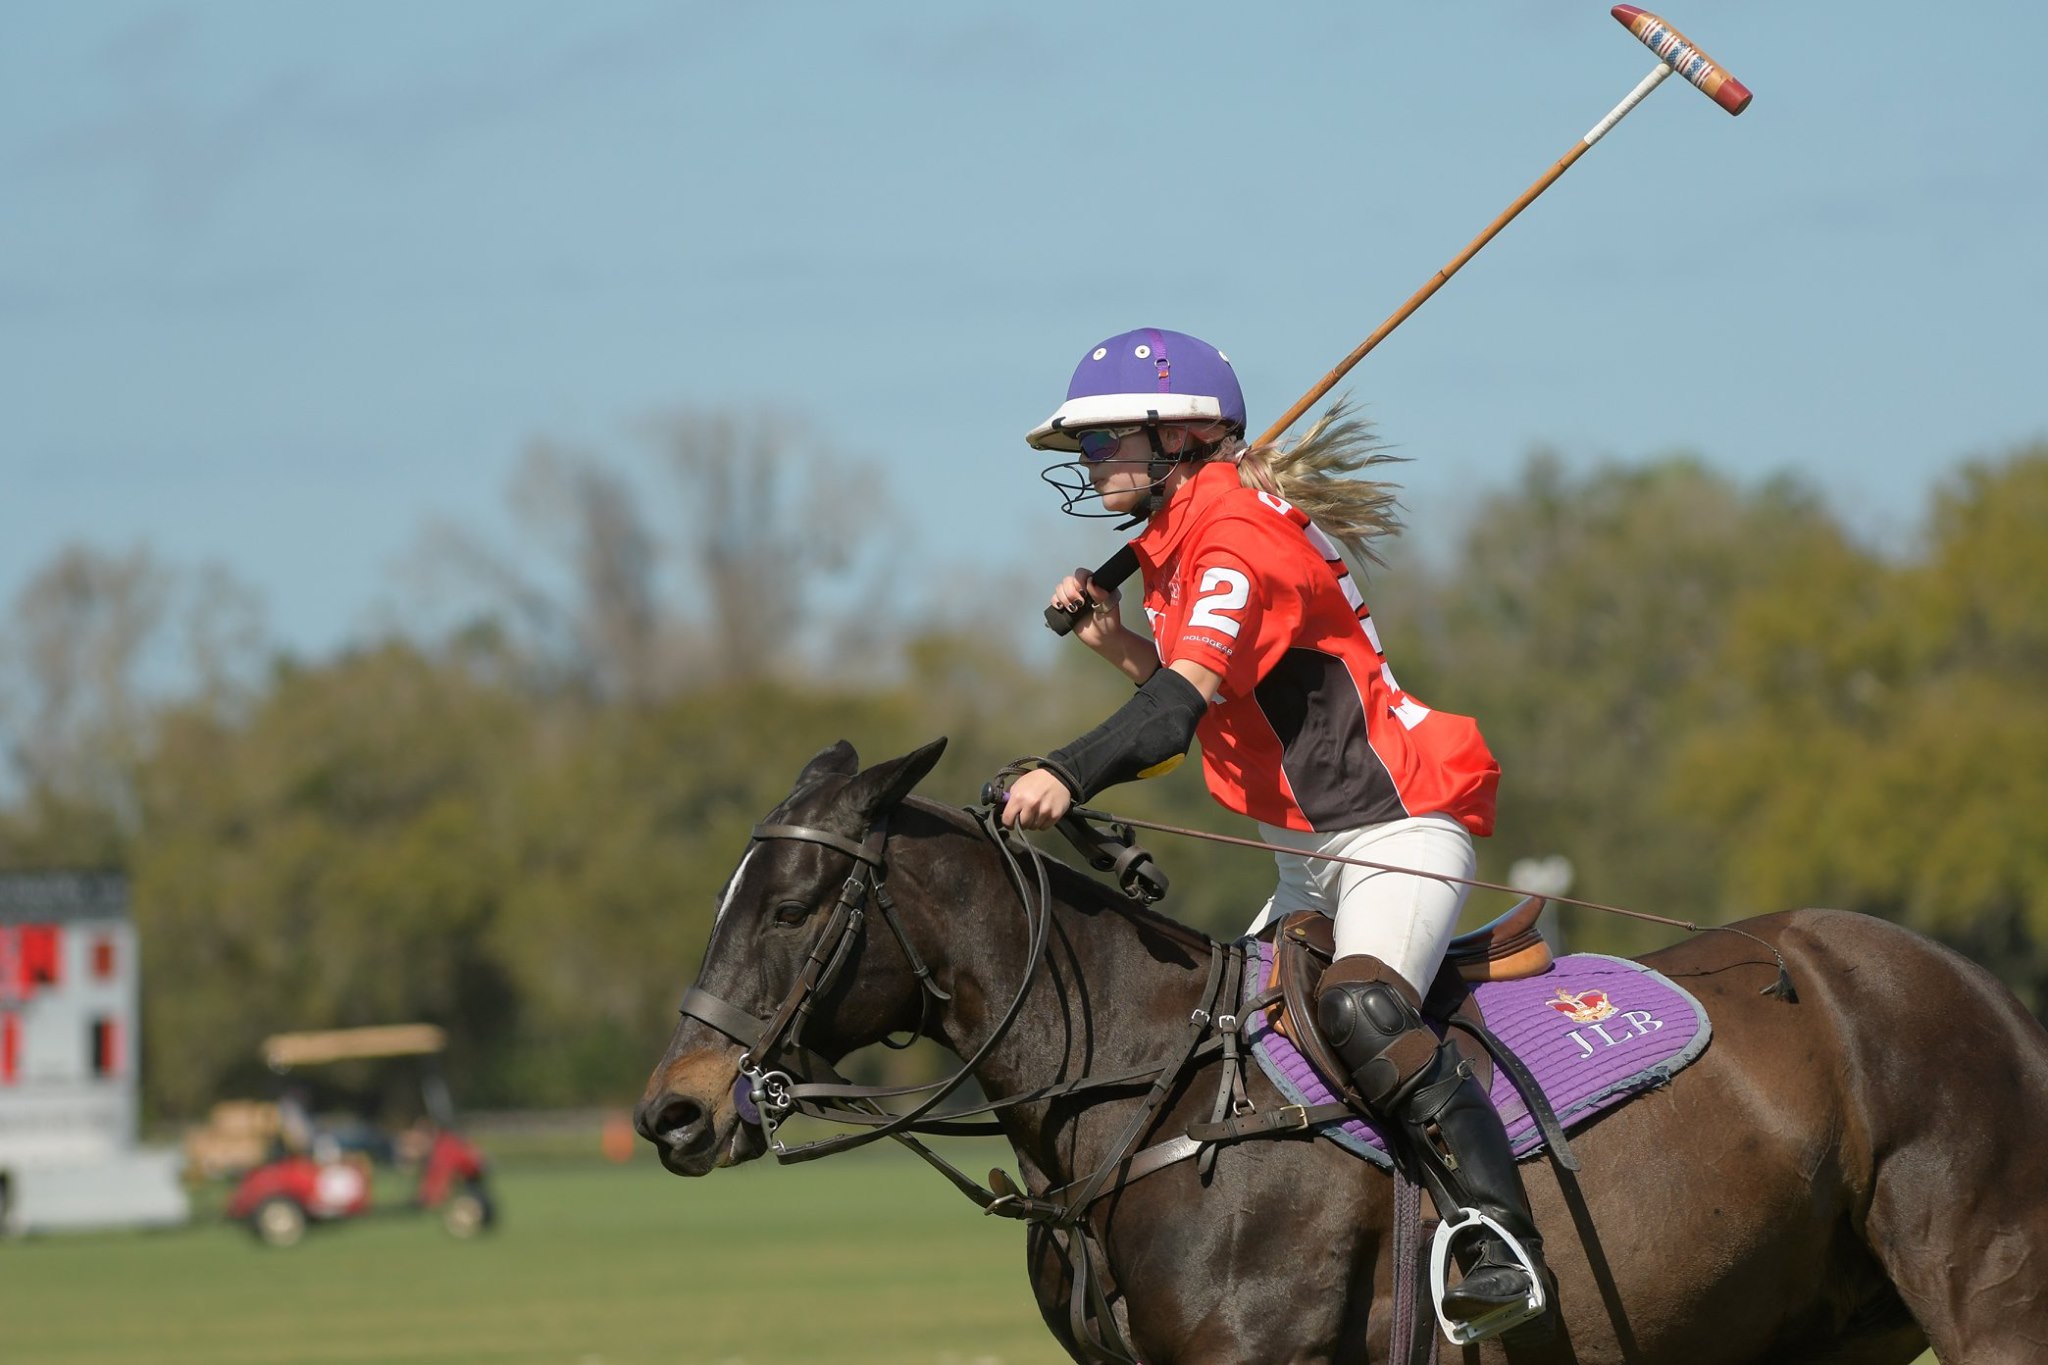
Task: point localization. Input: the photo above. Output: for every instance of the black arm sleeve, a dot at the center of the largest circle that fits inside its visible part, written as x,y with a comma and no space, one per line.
1155,726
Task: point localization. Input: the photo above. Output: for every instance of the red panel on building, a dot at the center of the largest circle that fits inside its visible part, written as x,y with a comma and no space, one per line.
106,1046
42,954
10,1048
103,957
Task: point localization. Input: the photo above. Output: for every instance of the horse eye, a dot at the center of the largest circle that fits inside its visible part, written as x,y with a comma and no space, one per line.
792,912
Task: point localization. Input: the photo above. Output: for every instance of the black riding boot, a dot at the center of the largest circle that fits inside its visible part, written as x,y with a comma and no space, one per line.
1410,1079
1457,1135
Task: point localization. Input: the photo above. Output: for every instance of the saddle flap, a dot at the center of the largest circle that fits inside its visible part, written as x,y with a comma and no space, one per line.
1301,950
1305,945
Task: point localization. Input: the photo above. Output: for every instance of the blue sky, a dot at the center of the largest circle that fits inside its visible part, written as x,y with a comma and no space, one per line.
281,284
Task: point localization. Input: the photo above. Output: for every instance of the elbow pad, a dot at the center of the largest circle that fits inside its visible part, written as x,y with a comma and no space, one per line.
1154,728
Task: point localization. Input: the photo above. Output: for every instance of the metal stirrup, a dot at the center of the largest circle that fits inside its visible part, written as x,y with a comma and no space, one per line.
1500,1319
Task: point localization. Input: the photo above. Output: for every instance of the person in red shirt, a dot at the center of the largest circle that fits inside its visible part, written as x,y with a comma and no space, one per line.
1262,648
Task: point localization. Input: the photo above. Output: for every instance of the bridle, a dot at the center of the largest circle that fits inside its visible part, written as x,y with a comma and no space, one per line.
779,1076
765,1095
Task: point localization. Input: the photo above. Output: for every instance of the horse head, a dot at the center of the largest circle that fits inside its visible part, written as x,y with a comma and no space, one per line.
791,970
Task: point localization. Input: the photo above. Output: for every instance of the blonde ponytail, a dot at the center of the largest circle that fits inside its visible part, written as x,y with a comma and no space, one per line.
1313,472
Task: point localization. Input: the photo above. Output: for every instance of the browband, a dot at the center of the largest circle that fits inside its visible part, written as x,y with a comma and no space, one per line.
872,857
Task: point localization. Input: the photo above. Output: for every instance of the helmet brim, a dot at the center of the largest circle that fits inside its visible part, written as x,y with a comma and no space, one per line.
1120,410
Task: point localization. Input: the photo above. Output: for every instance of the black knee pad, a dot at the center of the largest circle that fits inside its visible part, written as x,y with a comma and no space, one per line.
1372,1012
1389,1010
1378,1034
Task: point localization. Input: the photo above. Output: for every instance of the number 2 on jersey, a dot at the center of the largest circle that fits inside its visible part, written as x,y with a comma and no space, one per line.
1222,590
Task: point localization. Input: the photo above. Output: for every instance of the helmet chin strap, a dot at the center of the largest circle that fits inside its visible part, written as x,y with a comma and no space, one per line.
1160,469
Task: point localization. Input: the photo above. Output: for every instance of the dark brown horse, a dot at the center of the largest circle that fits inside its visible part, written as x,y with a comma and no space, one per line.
1847,1178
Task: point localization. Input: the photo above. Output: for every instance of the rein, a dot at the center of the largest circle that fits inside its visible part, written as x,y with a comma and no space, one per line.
1781,987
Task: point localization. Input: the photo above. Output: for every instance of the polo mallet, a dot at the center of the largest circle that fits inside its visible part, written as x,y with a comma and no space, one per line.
1676,53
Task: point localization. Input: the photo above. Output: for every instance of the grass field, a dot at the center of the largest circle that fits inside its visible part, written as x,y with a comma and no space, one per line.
866,1258
869,1257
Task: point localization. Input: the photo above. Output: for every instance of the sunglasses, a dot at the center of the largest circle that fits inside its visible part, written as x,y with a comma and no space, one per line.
1099,443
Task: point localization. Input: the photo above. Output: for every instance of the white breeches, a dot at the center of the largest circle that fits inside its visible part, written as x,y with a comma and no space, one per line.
1404,920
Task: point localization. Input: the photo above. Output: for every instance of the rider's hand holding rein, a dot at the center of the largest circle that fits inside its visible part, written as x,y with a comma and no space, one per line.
1039,797
1036,800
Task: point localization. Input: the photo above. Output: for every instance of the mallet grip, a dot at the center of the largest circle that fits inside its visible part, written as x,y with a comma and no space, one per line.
1679,53
1114,570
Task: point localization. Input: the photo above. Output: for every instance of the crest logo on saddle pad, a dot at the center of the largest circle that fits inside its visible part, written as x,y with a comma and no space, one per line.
1584,1007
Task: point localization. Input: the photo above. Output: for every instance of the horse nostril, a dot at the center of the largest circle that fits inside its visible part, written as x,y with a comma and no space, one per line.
675,1121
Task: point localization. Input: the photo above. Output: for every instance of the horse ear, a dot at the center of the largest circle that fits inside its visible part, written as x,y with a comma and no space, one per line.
837,761
881,787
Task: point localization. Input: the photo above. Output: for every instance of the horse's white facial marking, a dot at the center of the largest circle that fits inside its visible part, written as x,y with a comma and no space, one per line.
732,887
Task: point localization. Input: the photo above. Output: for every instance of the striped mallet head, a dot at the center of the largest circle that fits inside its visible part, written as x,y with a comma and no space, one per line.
1678,52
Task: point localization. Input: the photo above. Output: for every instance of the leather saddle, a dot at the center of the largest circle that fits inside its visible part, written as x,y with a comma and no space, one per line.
1506,949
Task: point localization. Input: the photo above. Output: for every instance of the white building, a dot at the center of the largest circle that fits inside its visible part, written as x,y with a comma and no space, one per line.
69,986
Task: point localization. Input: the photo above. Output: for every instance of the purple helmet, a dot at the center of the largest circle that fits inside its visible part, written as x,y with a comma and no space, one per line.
1149,375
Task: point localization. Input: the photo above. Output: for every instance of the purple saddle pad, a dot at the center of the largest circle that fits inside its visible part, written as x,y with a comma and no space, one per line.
1593,1029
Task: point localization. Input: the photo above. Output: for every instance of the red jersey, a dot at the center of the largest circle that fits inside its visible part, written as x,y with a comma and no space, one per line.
1309,730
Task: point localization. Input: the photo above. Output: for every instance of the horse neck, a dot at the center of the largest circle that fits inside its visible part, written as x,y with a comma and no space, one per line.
1113,994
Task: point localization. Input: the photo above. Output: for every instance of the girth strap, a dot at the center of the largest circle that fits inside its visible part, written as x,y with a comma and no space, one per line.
1288,1118
1411,1338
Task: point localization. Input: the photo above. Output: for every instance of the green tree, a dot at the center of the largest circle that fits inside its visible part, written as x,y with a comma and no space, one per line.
1880,737
331,859
1583,619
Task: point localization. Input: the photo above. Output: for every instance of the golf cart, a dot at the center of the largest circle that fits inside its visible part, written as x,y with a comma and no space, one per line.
315,1178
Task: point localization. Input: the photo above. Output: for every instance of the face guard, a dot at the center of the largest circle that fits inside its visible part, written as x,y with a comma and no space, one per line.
1070,478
